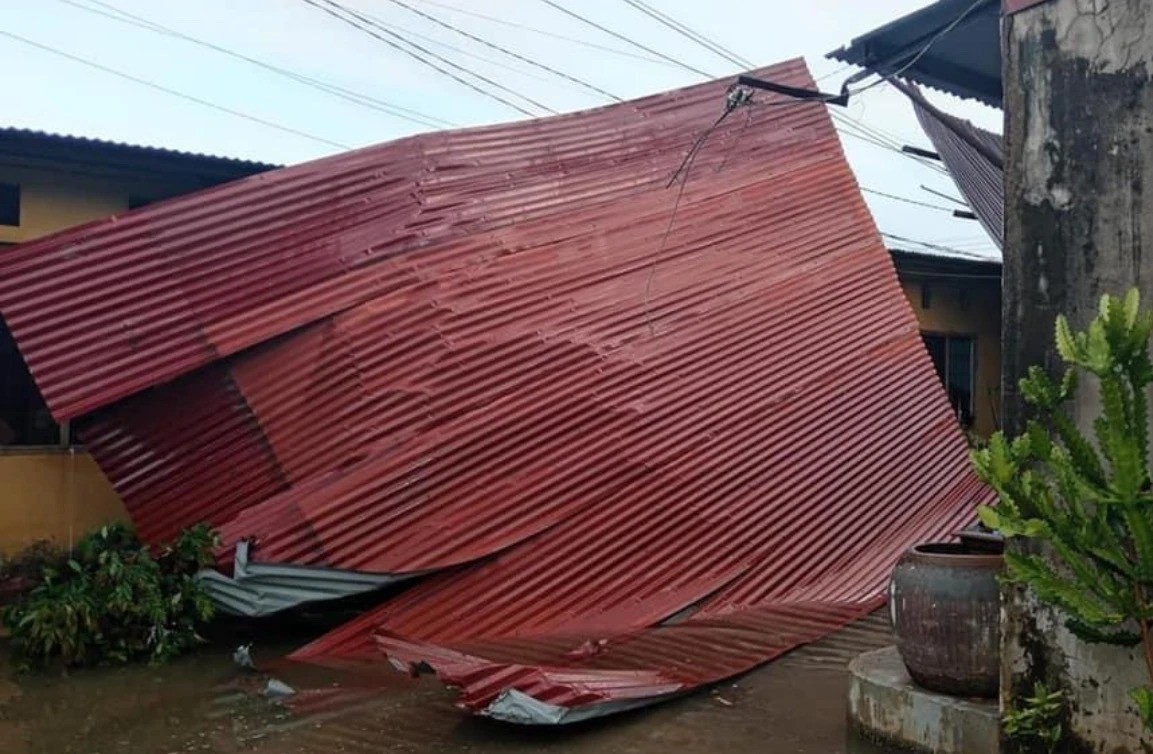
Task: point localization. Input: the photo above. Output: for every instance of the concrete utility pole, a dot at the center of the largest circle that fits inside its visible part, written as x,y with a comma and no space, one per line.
1079,208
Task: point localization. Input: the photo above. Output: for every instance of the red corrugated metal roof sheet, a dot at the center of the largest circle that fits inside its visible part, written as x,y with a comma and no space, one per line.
498,353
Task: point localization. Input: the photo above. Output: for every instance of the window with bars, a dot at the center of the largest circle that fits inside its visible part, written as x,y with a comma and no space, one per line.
954,356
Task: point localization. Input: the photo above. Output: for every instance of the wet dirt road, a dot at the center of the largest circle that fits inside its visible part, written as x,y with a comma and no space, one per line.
203,703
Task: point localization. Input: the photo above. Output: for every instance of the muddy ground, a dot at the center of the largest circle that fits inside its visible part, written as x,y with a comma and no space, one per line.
204,703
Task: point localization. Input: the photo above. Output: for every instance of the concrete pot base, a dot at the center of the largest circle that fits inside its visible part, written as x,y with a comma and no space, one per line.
886,706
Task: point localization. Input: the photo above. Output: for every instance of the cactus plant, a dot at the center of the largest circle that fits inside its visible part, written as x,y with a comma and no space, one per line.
1087,497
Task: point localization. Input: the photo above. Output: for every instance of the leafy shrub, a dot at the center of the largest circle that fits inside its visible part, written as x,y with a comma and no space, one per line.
1037,717
30,562
116,600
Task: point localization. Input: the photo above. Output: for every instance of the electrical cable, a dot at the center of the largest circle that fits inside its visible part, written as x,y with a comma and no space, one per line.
506,51
399,38
358,98
924,50
943,195
865,132
689,33
174,92
542,32
894,197
623,38
737,97
333,11
402,31
934,246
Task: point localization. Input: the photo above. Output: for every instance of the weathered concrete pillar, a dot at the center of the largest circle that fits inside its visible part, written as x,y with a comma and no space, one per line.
1079,164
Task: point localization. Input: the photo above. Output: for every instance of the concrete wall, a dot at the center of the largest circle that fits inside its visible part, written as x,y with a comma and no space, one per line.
1079,154
54,495
971,308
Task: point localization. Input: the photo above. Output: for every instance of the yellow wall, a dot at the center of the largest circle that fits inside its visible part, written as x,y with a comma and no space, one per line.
46,207
54,495
51,200
58,494
971,307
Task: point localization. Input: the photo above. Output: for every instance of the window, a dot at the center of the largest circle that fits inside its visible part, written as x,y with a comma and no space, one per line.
955,360
9,204
24,417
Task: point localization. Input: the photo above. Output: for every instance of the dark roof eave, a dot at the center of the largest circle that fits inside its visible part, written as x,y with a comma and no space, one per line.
28,143
928,264
889,49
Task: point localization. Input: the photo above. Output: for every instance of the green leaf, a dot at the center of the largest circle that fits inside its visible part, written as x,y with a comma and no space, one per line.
1132,307
1095,635
991,518
1143,698
1066,343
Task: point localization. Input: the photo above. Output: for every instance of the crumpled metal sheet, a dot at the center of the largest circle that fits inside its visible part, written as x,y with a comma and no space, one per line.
637,451
256,589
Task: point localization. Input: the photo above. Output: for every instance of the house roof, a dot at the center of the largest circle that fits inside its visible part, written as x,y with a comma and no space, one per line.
916,262
25,144
580,402
951,45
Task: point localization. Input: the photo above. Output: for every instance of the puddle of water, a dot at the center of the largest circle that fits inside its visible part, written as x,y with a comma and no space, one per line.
203,703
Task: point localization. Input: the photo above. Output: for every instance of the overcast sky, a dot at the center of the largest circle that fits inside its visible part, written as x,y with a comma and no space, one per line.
45,90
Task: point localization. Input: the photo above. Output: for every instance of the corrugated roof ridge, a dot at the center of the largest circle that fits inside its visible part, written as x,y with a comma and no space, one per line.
144,149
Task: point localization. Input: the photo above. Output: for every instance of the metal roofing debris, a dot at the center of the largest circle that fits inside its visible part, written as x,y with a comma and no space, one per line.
931,47
643,450
256,589
980,180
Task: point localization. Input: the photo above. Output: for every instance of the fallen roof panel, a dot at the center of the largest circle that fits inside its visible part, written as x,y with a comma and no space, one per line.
642,437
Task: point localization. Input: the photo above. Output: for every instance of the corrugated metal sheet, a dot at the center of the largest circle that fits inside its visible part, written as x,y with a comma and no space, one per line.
256,589
645,449
950,45
12,137
980,181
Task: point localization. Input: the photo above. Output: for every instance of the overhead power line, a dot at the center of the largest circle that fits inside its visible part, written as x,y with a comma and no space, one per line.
685,31
894,197
400,30
863,132
544,33
623,38
174,92
940,247
348,95
398,42
943,195
506,51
